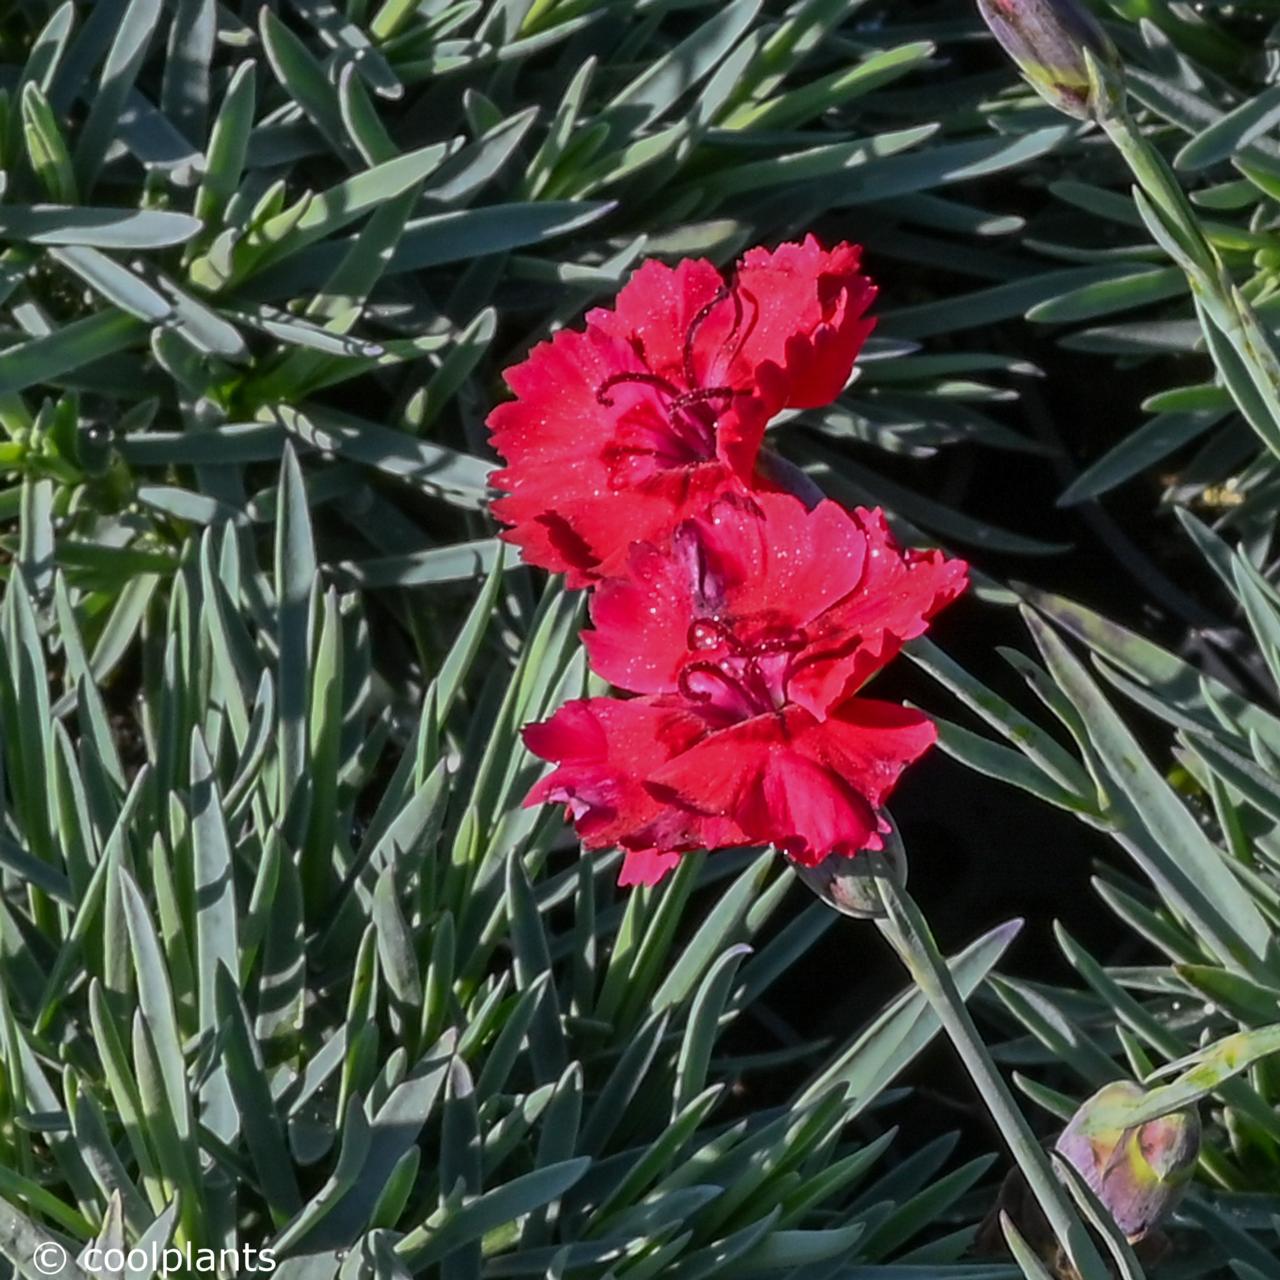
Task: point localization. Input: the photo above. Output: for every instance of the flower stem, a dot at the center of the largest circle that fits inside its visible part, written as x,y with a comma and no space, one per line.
1223,310
908,933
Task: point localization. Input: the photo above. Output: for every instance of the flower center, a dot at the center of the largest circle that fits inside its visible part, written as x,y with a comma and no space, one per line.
741,678
681,430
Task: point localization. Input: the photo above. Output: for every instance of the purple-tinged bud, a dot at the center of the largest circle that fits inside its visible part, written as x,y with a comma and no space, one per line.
1139,1173
1047,39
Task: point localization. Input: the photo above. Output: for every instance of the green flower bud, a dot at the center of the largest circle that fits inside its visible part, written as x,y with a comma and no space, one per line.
849,885
1139,1173
1047,39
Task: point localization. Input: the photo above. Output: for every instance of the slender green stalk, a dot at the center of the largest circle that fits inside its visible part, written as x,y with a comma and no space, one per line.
1173,222
908,933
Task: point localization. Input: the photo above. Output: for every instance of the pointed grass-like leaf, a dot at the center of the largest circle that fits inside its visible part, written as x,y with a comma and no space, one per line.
330,211
25,700
1023,1254
435,468
228,146
1248,1002
1178,856
458,562
260,1122
725,1252
466,645
884,178
360,117
833,1180
789,1249
532,959
46,148
76,836
47,358
428,1243
507,1046
87,698
93,1138
46,51
114,283
560,131
393,1131
231,647
439,239
1104,297
282,982
1232,132
356,1137
815,163
460,1162
324,729
996,302
184,94
214,883
409,832
87,925
470,169
993,760
1066,1040
642,944
155,998
302,77
668,78
1198,1075
118,1072
810,100
1024,734
702,1030
1101,1219
1170,678
34,872
624,1084
454,370
1138,452
905,1027
722,927
124,60
36,542
1258,786
295,574
396,955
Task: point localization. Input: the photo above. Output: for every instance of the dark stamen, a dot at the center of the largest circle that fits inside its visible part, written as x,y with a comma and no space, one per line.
695,324
648,379
732,684
702,394
832,654
792,643
742,333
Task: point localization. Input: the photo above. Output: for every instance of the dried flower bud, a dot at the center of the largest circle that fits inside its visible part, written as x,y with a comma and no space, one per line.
1139,1173
1047,39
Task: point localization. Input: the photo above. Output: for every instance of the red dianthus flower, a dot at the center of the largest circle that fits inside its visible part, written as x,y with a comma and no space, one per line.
746,636
619,431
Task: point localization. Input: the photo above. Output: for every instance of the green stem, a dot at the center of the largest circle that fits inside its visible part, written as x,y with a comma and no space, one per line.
1158,180
908,933
1222,305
